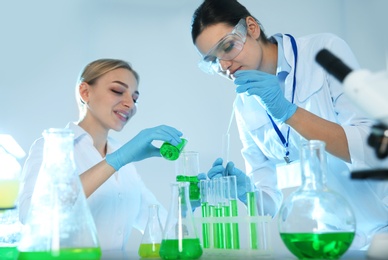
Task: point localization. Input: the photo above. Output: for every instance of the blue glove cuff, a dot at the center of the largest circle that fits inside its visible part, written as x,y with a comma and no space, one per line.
290,111
113,161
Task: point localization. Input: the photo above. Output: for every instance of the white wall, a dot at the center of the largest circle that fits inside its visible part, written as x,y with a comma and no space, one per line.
44,45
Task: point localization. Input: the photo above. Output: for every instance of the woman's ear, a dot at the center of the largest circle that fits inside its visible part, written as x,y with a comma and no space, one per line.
253,28
84,92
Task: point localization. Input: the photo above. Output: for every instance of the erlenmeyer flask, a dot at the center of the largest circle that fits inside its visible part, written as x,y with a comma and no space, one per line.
180,239
315,222
59,224
152,237
187,170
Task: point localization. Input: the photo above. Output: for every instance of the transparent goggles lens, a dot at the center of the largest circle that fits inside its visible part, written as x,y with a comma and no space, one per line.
226,49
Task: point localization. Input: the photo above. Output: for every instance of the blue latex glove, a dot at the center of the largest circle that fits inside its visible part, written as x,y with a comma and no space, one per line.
242,180
266,87
140,147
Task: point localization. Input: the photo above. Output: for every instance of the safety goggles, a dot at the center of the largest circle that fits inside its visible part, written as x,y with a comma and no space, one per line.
226,49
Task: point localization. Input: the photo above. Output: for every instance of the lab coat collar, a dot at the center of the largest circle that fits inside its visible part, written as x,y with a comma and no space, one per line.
307,71
80,133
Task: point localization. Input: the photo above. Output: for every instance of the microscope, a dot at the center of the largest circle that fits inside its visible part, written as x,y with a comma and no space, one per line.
368,91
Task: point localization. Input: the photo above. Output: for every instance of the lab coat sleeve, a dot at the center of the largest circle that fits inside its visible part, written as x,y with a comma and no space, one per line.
29,175
260,169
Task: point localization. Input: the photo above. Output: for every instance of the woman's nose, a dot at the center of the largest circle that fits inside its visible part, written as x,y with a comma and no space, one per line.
225,64
128,100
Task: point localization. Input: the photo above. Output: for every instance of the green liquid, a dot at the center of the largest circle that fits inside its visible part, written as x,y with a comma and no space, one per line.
218,229
170,152
227,228
8,253
188,248
149,250
205,226
63,254
194,191
234,228
252,206
318,246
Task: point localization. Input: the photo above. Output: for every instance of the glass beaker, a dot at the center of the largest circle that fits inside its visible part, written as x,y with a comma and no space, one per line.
59,224
187,170
9,179
171,152
315,222
10,232
10,227
180,239
152,237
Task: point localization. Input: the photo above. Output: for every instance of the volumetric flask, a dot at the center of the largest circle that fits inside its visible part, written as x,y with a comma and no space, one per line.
180,239
187,170
171,152
59,224
152,237
315,222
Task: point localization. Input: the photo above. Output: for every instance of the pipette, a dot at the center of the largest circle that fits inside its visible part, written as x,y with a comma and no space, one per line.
226,138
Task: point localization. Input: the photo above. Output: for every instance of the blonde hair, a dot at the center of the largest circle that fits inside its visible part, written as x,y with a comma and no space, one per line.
94,70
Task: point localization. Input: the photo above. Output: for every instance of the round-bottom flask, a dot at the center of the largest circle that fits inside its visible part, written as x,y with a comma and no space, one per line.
315,222
180,240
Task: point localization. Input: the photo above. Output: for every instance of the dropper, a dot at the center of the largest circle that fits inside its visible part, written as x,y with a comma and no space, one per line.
226,138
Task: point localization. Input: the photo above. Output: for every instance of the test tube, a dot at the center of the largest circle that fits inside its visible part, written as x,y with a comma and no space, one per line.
252,211
232,197
204,189
225,147
219,196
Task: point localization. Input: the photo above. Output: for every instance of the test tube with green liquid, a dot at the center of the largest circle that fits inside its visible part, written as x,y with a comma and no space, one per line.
232,196
204,190
226,212
252,211
216,212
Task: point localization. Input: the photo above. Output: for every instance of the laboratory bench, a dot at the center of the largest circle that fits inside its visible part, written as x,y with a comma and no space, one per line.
119,255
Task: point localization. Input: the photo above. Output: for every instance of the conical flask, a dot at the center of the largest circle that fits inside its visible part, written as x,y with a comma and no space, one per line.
152,237
59,224
315,222
180,239
187,170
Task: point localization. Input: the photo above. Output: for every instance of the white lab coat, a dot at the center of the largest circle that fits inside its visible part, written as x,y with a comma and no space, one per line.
117,206
321,94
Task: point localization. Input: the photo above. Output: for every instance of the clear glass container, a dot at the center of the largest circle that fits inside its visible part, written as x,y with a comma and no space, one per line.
187,170
10,227
180,239
59,224
152,237
171,152
315,222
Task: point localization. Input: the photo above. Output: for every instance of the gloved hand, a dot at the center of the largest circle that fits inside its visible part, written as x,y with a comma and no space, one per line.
266,87
242,180
140,147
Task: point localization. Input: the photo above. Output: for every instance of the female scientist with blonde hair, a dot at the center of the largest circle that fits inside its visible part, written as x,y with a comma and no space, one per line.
107,92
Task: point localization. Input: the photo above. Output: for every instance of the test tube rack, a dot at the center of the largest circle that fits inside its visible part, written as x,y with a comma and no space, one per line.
252,236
